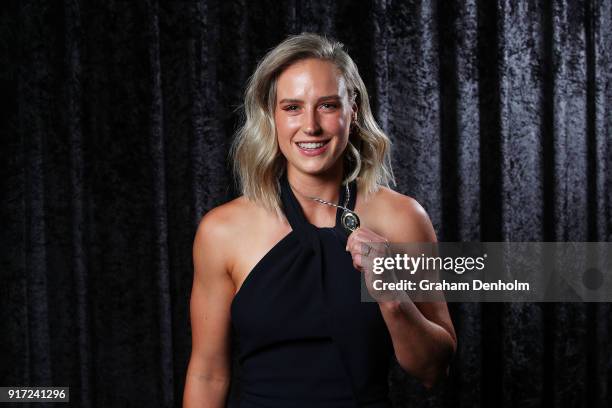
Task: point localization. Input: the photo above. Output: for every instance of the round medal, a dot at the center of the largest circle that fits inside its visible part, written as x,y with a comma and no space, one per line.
350,221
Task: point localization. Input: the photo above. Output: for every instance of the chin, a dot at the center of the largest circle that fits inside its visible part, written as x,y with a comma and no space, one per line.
314,170
311,171
314,165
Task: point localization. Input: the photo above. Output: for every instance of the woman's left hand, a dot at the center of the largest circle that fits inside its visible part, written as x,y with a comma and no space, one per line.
359,246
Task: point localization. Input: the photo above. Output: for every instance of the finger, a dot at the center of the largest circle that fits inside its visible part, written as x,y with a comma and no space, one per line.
353,239
362,235
354,246
364,249
366,236
350,239
359,246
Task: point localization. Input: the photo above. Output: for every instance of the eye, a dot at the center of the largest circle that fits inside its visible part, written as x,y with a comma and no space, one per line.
329,105
291,107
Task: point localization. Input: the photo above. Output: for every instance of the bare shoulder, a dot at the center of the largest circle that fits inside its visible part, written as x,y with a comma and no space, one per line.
399,217
225,217
219,227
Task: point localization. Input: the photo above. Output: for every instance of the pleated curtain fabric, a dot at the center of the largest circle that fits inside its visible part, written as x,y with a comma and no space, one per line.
117,121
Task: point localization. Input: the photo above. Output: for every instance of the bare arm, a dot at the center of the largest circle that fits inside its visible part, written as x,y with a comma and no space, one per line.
423,335
209,370
423,338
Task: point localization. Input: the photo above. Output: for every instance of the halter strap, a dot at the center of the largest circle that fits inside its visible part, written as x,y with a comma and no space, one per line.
295,214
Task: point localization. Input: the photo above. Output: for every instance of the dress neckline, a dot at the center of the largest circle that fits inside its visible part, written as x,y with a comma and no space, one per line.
295,214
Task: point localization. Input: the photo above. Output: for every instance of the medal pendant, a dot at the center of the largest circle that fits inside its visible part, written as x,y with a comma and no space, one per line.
350,221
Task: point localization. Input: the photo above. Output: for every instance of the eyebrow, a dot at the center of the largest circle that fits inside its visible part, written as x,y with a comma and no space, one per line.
288,100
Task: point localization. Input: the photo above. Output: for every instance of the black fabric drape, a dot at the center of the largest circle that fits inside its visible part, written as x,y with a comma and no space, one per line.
116,126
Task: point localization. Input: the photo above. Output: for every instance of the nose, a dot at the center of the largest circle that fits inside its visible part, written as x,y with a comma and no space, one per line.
311,125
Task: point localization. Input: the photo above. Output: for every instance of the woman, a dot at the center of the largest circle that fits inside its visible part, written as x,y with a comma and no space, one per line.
284,269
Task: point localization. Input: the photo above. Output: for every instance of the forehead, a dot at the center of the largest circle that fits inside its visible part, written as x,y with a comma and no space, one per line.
310,77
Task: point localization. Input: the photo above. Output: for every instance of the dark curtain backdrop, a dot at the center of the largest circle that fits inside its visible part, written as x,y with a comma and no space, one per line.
117,118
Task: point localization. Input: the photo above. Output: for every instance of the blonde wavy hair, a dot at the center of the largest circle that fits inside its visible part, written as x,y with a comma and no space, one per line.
257,160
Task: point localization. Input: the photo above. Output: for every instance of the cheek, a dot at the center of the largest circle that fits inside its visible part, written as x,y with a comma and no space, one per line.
280,125
338,121
284,132
285,125
337,126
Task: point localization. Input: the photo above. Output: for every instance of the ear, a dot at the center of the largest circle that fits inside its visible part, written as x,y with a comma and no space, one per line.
354,106
354,110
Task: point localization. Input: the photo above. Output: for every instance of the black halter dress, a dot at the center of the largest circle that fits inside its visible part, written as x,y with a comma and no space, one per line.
305,338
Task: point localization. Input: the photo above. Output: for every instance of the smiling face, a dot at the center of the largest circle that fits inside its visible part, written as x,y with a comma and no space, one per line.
313,116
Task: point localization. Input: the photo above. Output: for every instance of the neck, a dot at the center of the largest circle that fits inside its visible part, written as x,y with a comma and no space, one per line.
325,186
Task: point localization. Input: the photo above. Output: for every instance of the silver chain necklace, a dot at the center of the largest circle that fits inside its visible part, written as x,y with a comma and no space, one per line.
350,219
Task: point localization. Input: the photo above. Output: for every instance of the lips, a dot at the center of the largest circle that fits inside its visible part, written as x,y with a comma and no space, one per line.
312,148
312,145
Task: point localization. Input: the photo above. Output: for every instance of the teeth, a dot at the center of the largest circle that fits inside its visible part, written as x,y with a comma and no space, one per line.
311,145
